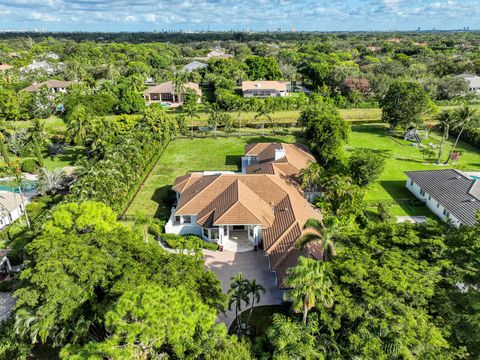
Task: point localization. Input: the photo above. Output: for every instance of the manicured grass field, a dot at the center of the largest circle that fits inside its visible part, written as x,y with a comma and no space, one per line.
401,156
185,155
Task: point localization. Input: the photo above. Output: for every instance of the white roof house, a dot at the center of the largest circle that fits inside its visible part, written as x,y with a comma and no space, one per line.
472,80
194,65
39,66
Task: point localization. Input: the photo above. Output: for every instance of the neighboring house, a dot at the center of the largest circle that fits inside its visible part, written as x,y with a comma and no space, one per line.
261,207
451,195
194,65
43,66
218,54
165,93
54,86
11,207
5,67
263,89
472,80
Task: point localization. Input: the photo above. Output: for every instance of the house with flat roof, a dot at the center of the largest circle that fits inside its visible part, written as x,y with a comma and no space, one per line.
264,89
450,194
473,81
261,207
167,94
54,86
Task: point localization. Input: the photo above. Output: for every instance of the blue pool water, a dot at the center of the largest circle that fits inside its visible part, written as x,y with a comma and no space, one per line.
26,186
475,177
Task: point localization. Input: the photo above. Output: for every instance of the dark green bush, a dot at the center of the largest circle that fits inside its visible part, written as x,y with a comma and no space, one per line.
187,242
29,165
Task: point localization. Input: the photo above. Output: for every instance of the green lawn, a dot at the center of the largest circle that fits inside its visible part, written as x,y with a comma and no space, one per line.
184,155
401,156
70,157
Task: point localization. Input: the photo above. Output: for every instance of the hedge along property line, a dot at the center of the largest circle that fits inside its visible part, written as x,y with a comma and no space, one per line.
141,182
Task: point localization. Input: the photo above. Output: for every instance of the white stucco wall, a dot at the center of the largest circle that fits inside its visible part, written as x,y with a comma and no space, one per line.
431,203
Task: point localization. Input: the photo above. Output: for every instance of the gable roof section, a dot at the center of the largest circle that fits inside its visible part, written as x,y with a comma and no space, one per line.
49,84
169,88
453,190
237,205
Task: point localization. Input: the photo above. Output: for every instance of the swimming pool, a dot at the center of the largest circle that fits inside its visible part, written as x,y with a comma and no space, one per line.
474,177
27,185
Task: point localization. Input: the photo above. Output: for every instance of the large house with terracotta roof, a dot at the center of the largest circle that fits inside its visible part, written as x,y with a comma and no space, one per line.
54,86
264,89
263,206
166,93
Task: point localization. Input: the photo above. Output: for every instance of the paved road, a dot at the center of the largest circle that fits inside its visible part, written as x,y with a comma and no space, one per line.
253,264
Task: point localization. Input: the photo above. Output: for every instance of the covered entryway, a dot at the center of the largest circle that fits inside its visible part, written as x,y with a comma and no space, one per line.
238,238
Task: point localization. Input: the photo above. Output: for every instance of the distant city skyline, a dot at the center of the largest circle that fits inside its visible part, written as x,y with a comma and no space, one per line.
224,15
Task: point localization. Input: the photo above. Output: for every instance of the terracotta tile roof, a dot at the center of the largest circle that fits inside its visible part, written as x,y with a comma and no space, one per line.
267,85
268,199
169,88
4,67
49,84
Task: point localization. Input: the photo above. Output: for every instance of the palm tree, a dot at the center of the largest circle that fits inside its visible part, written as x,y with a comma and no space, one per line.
322,232
214,117
78,125
179,81
310,286
240,107
49,182
6,129
444,119
38,136
255,290
264,113
462,118
311,175
238,293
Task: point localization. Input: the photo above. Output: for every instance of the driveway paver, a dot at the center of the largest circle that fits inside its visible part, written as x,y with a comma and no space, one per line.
253,265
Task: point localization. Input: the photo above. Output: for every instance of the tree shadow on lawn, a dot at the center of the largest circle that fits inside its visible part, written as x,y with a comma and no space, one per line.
382,152
403,197
164,197
233,160
71,155
377,129
413,160
269,139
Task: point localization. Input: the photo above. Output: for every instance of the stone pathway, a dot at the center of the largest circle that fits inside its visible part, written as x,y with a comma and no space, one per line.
254,265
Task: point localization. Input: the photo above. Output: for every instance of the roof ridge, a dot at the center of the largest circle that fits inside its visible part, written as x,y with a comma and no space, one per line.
197,193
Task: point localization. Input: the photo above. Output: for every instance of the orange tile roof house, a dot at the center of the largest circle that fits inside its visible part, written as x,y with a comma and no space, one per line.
55,86
5,67
165,93
263,89
262,206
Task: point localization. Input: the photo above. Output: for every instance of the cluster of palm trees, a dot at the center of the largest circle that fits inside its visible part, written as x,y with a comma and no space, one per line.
243,292
111,178
458,120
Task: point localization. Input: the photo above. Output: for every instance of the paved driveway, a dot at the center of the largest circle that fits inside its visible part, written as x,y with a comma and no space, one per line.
253,264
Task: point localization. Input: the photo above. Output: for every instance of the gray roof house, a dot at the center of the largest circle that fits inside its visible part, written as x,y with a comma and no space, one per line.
450,194
472,80
194,65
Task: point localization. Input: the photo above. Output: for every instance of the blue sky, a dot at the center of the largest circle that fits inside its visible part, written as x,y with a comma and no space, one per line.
322,15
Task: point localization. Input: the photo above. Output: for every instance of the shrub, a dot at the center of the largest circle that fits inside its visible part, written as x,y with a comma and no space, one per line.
29,165
187,242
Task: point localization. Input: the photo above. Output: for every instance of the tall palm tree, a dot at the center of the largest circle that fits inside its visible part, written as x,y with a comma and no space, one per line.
38,136
254,290
6,129
323,233
240,107
264,112
237,294
50,182
310,286
79,124
179,82
443,124
463,117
